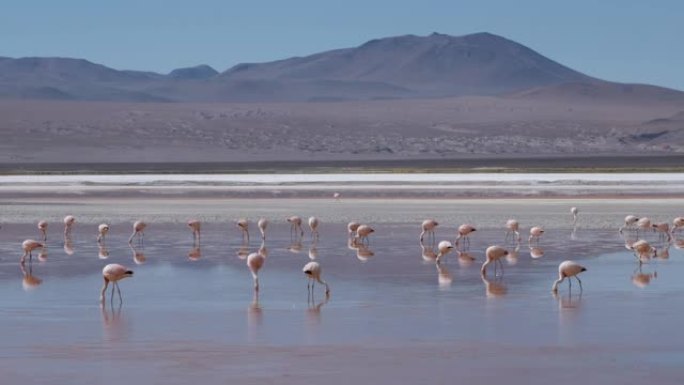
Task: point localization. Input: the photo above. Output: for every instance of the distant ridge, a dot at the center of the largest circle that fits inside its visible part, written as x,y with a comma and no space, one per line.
400,67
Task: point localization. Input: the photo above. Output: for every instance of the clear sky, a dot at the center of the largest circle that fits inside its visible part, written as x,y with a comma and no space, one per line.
629,40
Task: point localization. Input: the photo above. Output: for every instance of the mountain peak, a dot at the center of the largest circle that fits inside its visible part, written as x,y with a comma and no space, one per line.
202,71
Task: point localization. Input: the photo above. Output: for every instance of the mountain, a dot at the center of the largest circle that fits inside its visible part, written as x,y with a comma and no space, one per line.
435,65
400,67
198,72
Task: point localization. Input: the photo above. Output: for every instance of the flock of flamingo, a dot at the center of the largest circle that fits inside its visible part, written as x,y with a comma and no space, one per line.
359,238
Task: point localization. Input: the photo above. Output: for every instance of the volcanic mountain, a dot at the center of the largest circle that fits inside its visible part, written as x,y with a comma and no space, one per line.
401,67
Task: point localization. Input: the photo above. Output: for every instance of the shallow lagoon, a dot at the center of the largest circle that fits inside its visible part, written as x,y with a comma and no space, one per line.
391,317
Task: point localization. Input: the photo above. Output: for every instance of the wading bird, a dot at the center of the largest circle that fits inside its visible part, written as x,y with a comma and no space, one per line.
262,224
493,254
535,233
574,211
139,230
255,261
568,269
463,232
42,227
295,226
243,225
428,227
313,272
351,228
512,226
443,248
102,231
28,246
196,227
362,233
113,273
313,224
630,221
69,221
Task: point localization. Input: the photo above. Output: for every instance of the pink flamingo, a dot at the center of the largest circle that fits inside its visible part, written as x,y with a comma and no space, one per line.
663,230
363,231
28,246
243,225
428,227
313,272
463,232
443,248
512,226
139,230
69,221
42,227
295,224
313,224
677,224
352,227
643,250
493,254
195,226
630,220
255,261
102,231
535,233
262,224
113,273
568,269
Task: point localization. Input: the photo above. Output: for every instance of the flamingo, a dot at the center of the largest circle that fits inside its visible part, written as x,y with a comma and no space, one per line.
42,227
428,226
313,272
363,231
195,226
262,224
677,224
463,232
243,225
663,230
512,226
313,224
535,233
295,223
644,223
336,195
352,227
69,221
568,269
255,261
139,230
643,250
443,248
102,231
630,220
493,254
28,246
574,211
113,273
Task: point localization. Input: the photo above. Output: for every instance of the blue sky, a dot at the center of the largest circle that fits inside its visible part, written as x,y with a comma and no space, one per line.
629,40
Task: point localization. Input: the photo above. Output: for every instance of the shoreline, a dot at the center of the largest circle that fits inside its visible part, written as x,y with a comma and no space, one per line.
349,185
